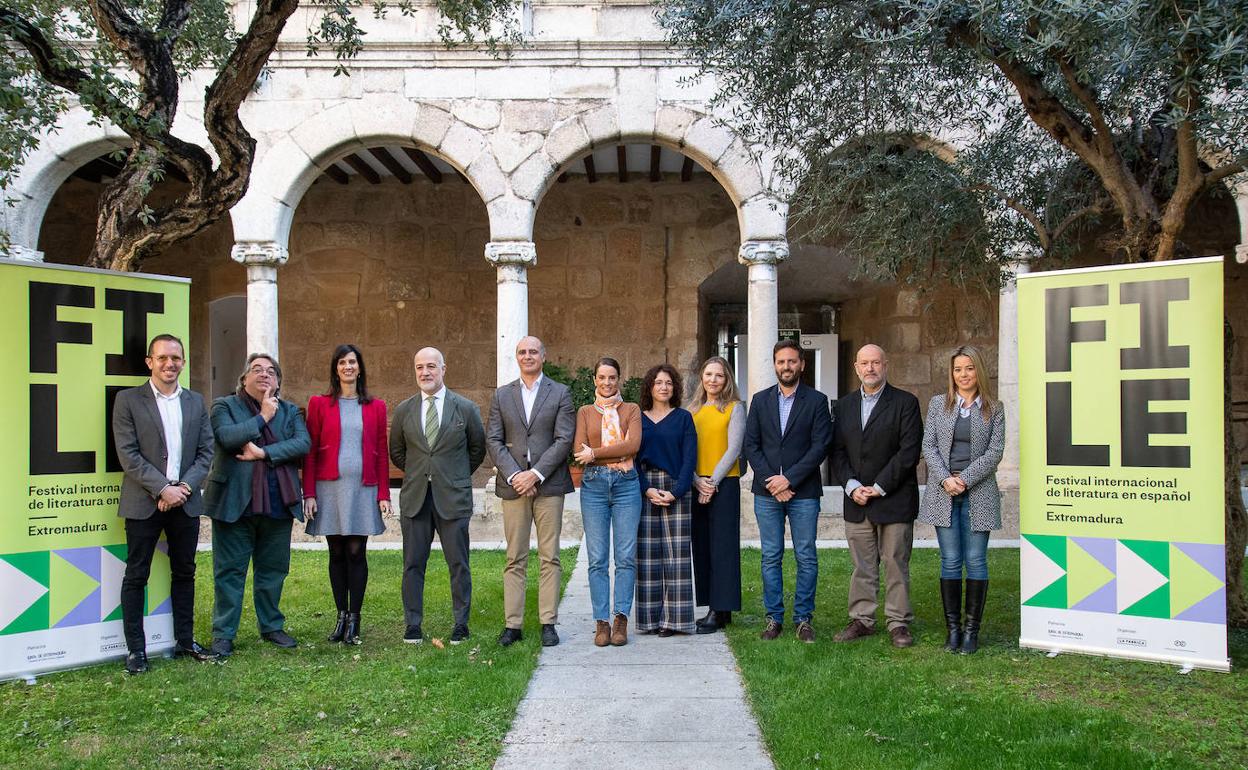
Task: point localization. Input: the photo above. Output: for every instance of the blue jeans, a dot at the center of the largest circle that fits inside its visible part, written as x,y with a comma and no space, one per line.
959,545
611,513
803,515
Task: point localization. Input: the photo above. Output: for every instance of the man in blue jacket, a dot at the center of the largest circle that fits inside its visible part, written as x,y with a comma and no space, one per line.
786,438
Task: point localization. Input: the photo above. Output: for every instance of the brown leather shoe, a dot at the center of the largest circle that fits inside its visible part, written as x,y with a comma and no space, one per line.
806,632
855,630
619,630
772,630
602,636
901,636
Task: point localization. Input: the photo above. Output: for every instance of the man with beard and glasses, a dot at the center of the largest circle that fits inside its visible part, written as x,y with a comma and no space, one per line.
786,439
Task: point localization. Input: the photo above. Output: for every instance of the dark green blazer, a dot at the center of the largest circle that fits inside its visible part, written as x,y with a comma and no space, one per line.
447,467
228,493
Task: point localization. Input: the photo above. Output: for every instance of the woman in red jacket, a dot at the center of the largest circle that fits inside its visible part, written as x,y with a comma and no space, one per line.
346,481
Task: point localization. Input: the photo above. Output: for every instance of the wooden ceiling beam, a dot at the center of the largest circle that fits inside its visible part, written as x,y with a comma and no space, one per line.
338,175
589,168
686,169
656,173
425,165
362,168
391,163
621,160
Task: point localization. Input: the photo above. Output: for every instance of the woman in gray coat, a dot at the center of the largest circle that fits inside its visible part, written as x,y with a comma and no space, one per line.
962,444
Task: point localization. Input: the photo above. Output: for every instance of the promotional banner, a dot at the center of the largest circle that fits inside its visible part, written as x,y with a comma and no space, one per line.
1121,435
75,336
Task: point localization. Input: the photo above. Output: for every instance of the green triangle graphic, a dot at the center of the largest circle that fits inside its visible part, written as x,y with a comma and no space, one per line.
1052,546
119,550
1053,596
35,566
1155,605
1086,574
158,581
69,586
115,614
1155,553
1189,582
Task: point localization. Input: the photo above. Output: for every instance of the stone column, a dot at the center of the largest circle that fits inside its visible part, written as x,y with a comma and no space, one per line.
1007,373
761,257
511,260
24,253
261,258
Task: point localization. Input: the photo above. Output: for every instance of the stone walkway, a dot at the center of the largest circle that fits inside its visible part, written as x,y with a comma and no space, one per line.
677,701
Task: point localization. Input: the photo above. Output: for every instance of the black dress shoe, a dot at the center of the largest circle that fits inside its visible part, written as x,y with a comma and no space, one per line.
222,648
193,649
136,663
709,617
549,637
336,635
710,624
413,635
280,638
666,632
509,636
459,633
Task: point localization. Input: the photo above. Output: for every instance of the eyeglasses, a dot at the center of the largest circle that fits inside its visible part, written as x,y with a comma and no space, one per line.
263,370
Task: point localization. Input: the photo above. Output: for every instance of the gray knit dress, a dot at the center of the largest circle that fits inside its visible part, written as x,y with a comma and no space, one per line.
345,506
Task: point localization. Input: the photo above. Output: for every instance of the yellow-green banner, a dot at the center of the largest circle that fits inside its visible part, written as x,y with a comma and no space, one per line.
74,337
1121,467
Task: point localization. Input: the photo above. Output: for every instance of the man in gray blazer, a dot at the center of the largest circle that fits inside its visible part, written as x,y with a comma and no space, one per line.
529,434
164,444
436,437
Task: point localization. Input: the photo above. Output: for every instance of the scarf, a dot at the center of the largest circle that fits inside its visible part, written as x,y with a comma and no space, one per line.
612,433
287,481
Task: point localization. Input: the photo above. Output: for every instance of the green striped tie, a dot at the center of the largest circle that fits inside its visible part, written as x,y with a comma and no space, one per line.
431,421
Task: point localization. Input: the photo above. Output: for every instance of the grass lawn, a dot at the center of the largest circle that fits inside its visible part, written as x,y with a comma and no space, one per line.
865,704
383,703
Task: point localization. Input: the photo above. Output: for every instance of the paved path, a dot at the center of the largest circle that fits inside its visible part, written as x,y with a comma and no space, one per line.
676,701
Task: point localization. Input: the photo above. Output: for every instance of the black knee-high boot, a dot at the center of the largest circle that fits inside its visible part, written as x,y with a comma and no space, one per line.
951,597
976,593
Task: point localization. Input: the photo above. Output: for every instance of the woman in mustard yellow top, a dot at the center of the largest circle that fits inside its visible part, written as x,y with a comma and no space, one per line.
719,417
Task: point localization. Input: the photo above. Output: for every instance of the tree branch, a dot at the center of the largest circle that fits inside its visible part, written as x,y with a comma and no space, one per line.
1225,170
51,66
1097,207
1027,213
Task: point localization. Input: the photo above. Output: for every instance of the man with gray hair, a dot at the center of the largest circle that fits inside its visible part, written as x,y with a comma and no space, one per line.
529,434
436,437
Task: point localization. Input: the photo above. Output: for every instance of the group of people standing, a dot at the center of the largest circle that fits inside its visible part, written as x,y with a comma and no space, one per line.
660,491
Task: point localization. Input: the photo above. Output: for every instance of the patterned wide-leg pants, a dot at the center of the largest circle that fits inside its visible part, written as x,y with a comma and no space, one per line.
664,566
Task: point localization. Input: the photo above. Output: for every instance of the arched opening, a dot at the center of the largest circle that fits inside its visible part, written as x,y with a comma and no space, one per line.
624,239
67,233
387,252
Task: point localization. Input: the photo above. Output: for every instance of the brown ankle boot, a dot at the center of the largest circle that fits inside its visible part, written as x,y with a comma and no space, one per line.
619,630
602,636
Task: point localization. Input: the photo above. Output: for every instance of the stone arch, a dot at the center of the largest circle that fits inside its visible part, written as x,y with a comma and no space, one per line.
720,150
285,170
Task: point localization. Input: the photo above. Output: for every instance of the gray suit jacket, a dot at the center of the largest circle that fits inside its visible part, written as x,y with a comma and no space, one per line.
448,465
541,444
987,446
140,438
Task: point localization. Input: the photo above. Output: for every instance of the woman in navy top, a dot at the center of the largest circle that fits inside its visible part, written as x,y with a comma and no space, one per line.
669,451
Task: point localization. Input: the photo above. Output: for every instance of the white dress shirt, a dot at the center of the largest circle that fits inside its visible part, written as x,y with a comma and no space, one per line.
439,403
170,408
528,397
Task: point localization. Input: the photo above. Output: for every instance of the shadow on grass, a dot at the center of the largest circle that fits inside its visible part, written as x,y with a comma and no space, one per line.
383,703
866,704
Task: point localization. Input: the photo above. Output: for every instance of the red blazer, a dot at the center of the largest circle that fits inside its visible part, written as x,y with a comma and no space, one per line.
324,426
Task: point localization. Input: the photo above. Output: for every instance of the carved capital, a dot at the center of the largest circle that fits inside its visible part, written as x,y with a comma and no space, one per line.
1241,253
763,252
260,254
515,253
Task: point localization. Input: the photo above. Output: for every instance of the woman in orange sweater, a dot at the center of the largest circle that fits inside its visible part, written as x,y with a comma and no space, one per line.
608,435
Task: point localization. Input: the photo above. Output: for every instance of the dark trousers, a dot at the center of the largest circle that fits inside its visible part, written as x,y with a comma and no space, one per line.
264,543
417,538
181,533
717,548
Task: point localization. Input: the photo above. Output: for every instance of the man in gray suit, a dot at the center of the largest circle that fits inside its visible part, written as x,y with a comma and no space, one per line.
164,444
436,437
529,434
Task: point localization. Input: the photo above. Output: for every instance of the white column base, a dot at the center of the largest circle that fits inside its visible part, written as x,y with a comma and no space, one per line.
261,260
764,302
511,260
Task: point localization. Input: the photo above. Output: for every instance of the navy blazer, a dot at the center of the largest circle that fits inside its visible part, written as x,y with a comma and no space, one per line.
799,452
885,452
